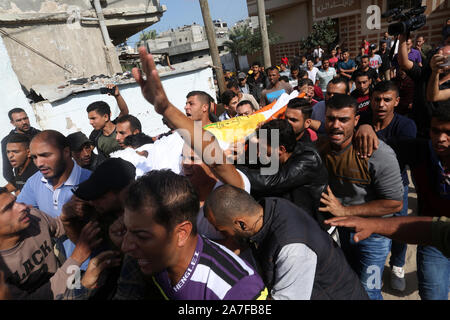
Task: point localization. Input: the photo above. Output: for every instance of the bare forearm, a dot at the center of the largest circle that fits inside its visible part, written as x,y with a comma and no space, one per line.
123,107
433,86
403,59
414,230
375,208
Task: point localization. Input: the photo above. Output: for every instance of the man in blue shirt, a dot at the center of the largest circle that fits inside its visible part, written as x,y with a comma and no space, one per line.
51,187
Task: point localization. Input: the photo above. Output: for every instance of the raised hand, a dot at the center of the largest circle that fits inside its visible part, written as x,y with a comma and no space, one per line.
332,204
151,86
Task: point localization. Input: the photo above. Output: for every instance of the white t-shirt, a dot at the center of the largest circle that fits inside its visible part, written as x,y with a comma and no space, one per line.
207,229
130,155
312,74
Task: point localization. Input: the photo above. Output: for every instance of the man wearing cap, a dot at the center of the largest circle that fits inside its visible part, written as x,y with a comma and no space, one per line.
375,59
103,189
81,149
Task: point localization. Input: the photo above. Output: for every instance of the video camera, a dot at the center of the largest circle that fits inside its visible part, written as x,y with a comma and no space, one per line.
408,21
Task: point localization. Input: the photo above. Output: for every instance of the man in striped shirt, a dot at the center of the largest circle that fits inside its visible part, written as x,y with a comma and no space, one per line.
174,261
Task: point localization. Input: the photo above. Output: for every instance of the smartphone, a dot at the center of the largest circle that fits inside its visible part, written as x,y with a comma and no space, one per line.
106,90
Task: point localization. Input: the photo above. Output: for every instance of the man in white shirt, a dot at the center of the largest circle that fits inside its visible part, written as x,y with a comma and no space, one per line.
325,75
312,71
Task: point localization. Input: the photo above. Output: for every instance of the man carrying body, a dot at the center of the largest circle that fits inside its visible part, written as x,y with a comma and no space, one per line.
104,134
244,108
127,125
276,88
18,152
167,258
300,261
360,187
229,99
19,119
82,151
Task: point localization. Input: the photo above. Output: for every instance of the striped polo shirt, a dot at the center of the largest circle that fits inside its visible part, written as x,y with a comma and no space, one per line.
214,273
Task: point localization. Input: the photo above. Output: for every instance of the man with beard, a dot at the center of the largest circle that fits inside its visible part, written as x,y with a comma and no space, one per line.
359,187
127,125
19,119
82,151
51,187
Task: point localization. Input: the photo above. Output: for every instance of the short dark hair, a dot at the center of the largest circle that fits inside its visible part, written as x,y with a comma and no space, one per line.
341,101
385,86
137,140
256,63
52,137
303,105
15,110
442,112
233,84
19,138
244,102
227,201
202,96
285,130
340,80
284,78
302,82
227,96
365,57
272,68
3,190
101,107
302,73
135,124
171,196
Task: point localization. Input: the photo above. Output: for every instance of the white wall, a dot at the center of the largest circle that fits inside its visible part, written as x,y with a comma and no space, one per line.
11,95
69,115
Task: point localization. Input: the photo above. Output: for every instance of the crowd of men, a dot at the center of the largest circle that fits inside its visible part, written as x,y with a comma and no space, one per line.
121,215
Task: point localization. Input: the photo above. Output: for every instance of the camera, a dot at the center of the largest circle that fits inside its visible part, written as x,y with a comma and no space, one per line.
407,21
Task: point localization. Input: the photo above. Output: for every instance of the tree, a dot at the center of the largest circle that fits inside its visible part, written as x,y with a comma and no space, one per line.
322,34
147,35
245,41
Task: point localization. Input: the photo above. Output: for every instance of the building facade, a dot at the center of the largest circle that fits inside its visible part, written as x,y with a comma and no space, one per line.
293,20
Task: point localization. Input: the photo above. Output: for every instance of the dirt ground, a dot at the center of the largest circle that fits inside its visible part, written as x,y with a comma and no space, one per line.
411,292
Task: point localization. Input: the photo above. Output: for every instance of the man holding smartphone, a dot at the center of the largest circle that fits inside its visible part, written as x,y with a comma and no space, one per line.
438,88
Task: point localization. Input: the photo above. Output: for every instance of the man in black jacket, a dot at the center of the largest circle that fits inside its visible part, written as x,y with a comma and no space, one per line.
299,261
21,122
301,177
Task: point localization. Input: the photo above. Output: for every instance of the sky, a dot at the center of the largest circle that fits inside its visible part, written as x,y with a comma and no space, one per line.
186,12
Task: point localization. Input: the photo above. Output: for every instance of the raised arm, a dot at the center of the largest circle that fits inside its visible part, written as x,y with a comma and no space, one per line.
203,143
402,57
123,107
433,92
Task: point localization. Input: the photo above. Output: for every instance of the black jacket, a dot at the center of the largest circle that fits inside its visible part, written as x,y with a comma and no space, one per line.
285,223
8,173
302,179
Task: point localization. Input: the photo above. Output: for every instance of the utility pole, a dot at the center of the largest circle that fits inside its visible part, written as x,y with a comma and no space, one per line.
263,30
211,35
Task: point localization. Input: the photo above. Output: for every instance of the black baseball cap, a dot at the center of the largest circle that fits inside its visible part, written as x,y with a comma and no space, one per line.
77,140
113,174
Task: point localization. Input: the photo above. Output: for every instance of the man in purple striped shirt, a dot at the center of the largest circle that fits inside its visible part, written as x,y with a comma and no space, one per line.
174,261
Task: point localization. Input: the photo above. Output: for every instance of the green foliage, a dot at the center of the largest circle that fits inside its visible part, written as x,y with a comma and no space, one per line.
322,34
245,41
147,35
